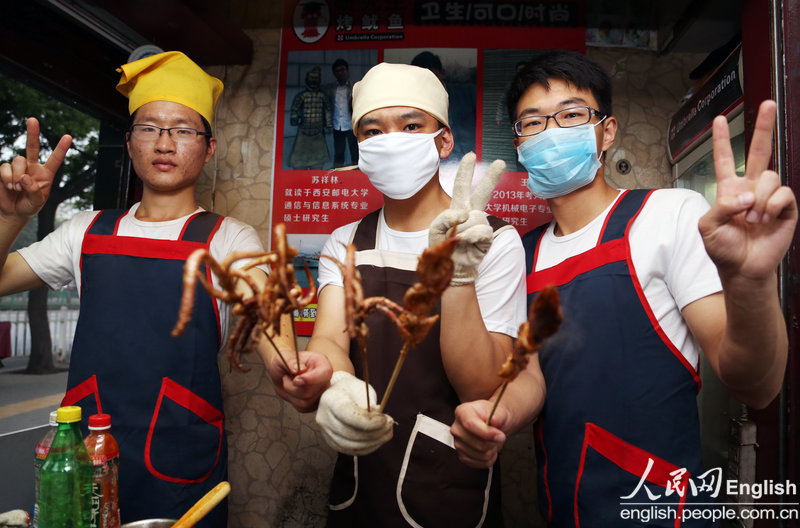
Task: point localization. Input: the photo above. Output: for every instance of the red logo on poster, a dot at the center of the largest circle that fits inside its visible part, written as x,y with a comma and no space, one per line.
310,20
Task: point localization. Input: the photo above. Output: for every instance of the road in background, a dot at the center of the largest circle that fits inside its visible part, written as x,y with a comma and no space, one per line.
25,404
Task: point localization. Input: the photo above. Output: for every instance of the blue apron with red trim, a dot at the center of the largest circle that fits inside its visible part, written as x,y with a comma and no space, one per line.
619,430
163,393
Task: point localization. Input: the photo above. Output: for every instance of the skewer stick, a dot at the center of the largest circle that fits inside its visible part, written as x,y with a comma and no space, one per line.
366,370
497,401
275,347
393,379
294,337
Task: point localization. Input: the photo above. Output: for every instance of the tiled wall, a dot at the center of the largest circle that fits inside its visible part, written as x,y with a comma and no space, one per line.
279,465
647,91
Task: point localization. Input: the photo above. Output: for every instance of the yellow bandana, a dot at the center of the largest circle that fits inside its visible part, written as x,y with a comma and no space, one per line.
169,76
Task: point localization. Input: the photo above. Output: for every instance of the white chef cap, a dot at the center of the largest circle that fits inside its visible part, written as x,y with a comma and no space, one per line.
390,84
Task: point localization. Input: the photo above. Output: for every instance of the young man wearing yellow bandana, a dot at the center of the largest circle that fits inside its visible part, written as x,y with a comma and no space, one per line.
163,393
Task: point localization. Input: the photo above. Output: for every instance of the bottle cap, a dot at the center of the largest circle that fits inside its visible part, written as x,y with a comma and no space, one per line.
99,421
69,414
53,418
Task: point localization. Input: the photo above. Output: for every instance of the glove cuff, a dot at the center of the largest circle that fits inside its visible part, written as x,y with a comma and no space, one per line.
464,277
340,375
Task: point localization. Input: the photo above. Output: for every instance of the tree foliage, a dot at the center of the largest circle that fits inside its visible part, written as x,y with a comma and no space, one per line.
73,182
17,103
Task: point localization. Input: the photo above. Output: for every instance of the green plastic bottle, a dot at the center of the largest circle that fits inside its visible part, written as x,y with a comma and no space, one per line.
65,484
42,448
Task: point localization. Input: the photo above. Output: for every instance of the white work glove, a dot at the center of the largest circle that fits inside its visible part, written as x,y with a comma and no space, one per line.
346,424
467,210
14,518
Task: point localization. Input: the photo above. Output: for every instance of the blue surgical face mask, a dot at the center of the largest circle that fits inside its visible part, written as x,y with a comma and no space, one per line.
560,160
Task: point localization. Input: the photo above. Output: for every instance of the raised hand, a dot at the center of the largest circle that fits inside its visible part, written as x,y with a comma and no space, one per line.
467,212
25,182
750,226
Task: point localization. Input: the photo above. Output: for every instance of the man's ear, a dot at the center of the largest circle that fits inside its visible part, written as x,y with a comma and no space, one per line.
609,133
212,147
445,142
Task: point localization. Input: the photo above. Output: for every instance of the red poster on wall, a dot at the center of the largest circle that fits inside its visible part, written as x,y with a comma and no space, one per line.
326,46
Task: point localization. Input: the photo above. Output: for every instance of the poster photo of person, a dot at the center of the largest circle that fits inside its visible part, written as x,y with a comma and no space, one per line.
315,188
499,68
457,68
316,131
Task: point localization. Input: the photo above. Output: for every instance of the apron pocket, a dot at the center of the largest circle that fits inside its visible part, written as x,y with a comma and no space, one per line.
78,395
434,488
609,463
185,437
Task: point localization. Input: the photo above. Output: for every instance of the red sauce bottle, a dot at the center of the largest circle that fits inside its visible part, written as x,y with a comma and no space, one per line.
104,453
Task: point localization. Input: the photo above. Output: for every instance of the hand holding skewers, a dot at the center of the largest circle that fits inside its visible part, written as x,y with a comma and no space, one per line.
349,422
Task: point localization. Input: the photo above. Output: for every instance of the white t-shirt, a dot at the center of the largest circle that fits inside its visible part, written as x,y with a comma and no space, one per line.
668,256
56,258
500,285
341,105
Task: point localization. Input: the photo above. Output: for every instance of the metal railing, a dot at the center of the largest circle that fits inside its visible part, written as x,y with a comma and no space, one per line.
62,329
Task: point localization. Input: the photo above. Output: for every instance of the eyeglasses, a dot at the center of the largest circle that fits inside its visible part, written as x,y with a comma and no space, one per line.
567,118
152,133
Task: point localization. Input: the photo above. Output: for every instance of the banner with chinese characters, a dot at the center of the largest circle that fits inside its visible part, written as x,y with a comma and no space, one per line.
473,47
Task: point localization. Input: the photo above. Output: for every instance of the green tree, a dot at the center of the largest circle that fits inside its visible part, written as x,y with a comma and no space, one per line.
74,180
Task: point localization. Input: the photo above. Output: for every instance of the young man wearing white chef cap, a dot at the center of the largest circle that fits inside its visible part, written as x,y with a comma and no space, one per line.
400,468
163,393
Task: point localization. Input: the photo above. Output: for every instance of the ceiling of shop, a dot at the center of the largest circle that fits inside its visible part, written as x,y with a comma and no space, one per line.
681,25
77,44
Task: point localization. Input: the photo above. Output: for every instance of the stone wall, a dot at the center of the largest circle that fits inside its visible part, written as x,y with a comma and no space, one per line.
238,181
647,91
279,465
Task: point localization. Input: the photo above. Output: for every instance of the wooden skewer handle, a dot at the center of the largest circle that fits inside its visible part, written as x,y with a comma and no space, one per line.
204,505
496,401
397,366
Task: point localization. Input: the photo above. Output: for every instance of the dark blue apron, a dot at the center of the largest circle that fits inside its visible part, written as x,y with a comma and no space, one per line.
416,478
619,393
163,393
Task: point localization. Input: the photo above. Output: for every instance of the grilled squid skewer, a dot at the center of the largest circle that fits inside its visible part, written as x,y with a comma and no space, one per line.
260,313
434,271
543,321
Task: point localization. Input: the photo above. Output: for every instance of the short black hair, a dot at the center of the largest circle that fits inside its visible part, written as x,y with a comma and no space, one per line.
426,59
339,62
569,66
206,126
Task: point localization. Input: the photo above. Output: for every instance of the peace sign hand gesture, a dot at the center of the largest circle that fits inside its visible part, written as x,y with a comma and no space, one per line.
750,226
25,183
467,211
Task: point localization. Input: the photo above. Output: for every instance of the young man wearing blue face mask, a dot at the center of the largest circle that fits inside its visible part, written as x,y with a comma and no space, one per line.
647,280
405,470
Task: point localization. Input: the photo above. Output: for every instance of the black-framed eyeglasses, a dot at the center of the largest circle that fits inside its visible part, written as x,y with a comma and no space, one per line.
567,118
143,132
